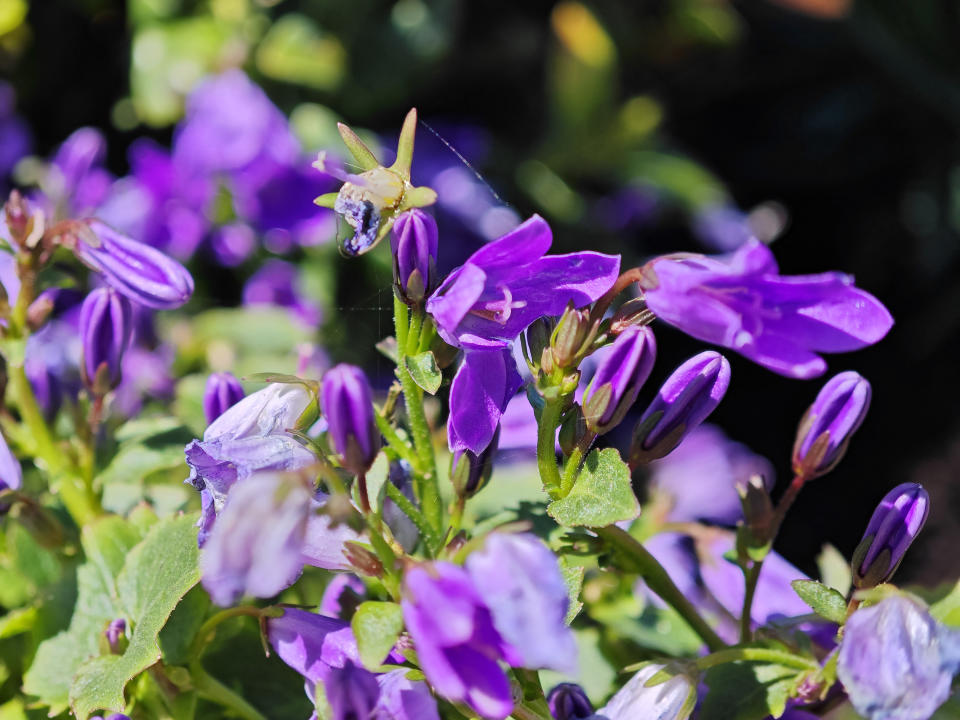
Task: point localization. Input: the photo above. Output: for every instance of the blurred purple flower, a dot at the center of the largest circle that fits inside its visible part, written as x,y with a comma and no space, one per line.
352,692
275,283
722,227
509,283
53,362
701,476
221,393
233,243
673,699
11,474
14,133
894,526
896,662
740,301
481,389
568,701
80,178
147,374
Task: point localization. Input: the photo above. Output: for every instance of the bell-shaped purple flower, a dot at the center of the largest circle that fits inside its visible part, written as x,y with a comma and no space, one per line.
895,524
506,285
568,701
138,271
106,324
782,322
673,699
684,401
618,379
455,638
829,423
896,662
251,436
11,474
519,580
481,389
347,403
81,180
352,692
414,246
222,392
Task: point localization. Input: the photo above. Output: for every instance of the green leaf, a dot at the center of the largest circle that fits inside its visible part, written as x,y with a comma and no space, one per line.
177,635
156,575
747,691
825,601
573,579
602,494
376,625
18,621
946,609
106,544
424,371
834,569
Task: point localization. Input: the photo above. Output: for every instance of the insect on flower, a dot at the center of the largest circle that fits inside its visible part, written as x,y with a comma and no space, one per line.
371,200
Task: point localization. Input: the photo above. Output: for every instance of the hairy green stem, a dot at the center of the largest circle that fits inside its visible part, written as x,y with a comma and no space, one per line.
395,442
749,654
657,579
429,492
401,321
407,508
574,462
751,576
547,448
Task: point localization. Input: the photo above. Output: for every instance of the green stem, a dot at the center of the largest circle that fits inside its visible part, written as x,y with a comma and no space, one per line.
429,491
547,448
751,577
749,654
523,712
210,688
427,333
207,631
413,336
396,442
408,509
402,323
659,581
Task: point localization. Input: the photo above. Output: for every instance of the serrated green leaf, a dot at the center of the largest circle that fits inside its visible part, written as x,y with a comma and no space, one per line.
424,371
602,494
179,631
156,575
573,579
747,691
106,544
825,601
376,625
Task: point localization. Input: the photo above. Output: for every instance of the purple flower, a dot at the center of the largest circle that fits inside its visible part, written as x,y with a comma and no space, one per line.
828,425
275,283
52,364
895,524
111,716
142,273
701,476
352,692
249,437
568,701
106,322
347,403
684,401
147,373
673,699
740,301
519,580
114,633
233,243
618,379
342,595
455,638
222,392
896,662
81,179
403,699
481,389
506,285
414,246
11,474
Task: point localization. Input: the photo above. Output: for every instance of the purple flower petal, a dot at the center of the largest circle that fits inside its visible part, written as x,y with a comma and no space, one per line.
479,394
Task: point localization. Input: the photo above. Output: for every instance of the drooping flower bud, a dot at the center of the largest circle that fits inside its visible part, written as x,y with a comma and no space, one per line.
222,392
568,701
106,323
142,273
347,403
684,401
828,425
618,380
352,692
897,520
536,339
470,472
414,245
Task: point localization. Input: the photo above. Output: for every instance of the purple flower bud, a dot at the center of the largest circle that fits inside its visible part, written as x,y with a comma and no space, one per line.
11,475
352,692
414,245
896,662
684,401
106,322
618,380
897,520
114,634
568,701
347,403
828,425
222,392
142,273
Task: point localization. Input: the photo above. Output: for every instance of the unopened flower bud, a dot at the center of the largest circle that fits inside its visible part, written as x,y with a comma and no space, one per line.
347,403
142,273
106,323
632,312
568,336
757,509
536,339
572,429
222,392
24,224
115,635
618,379
684,401
363,559
39,310
897,520
828,425
414,245
469,472
568,701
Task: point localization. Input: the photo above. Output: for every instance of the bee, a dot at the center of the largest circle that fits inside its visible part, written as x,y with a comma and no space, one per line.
371,200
